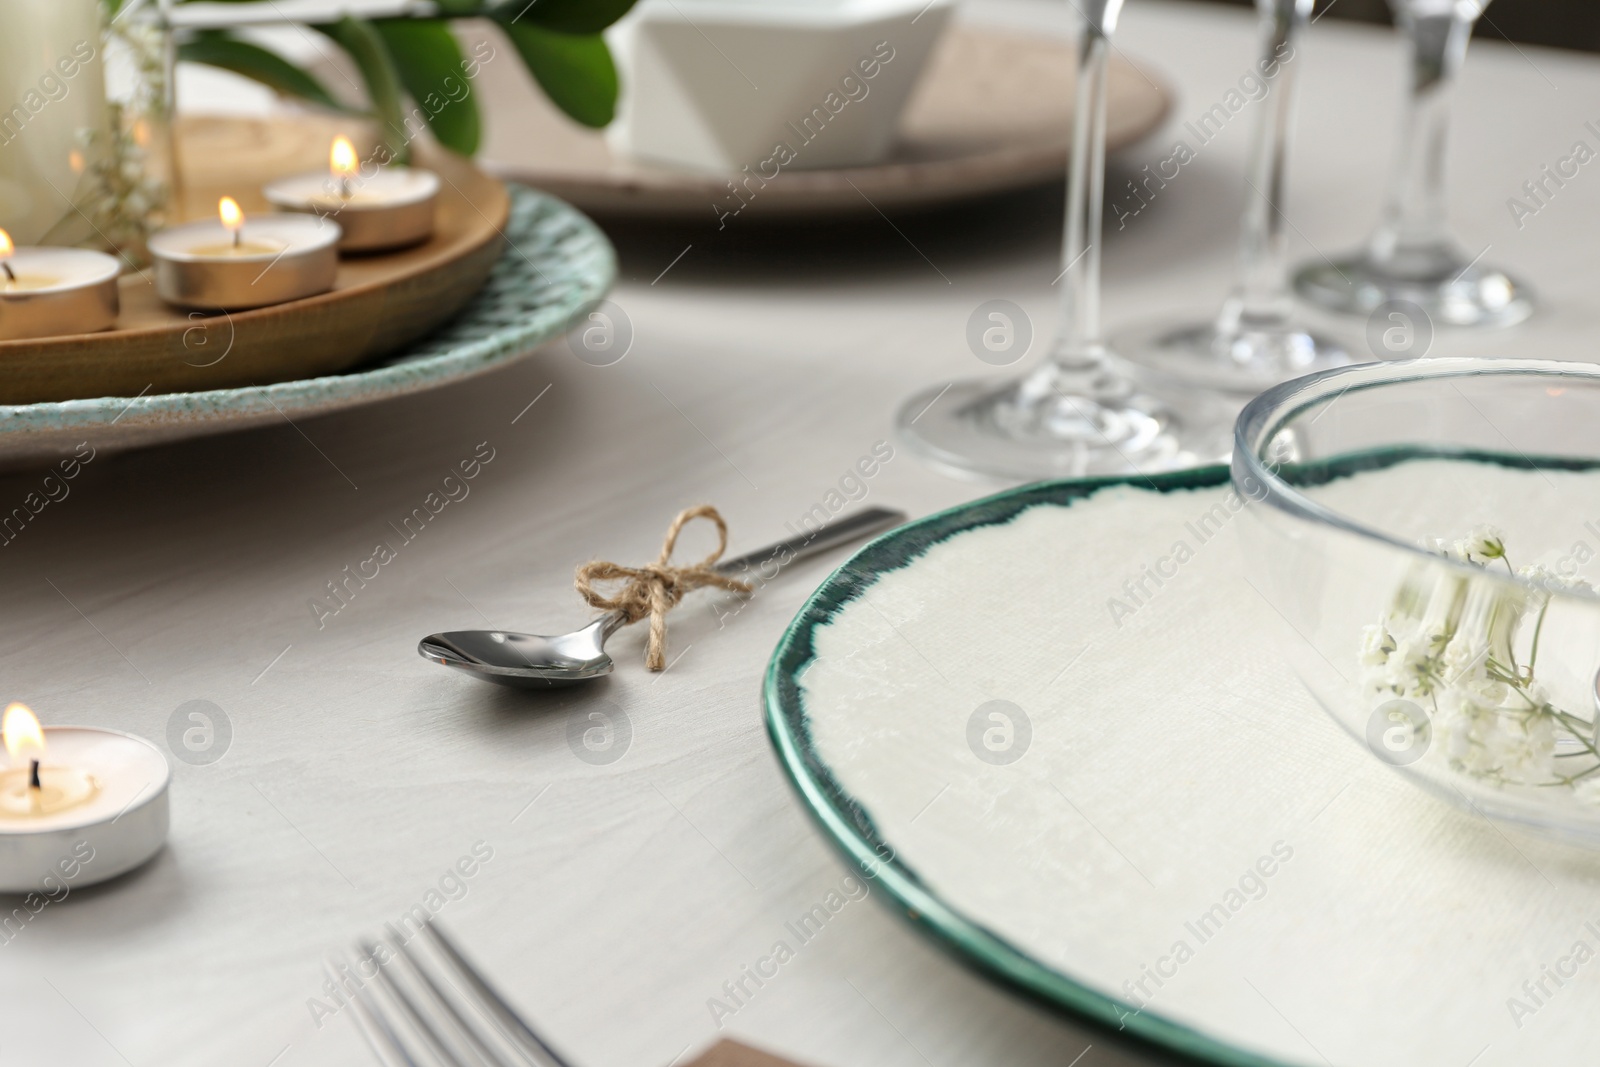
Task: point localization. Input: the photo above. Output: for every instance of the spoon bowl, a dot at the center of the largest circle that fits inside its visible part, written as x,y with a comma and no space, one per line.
523,661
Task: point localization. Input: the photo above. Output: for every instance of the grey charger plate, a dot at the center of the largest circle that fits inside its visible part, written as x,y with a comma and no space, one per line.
557,266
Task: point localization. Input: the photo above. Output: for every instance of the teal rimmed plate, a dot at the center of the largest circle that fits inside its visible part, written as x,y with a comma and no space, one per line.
556,268
1054,729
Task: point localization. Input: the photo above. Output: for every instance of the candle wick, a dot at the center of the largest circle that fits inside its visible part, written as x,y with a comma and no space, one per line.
344,187
238,236
33,776
10,276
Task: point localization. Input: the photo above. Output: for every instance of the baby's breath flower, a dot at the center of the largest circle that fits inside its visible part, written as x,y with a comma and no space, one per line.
1462,656
1466,654
1410,667
1525,744
1483,544
1441,547
1376,644
1539,574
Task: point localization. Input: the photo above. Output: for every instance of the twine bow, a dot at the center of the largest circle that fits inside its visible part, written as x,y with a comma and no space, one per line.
655,589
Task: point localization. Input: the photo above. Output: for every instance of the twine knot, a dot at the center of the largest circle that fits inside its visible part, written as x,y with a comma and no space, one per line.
656,588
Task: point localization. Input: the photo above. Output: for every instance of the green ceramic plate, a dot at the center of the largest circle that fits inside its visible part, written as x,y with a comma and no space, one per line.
557,268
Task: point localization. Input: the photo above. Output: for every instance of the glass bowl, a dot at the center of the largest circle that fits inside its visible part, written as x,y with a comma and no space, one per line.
1427,532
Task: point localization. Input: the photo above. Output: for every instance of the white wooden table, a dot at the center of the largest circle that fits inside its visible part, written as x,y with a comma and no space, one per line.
621,897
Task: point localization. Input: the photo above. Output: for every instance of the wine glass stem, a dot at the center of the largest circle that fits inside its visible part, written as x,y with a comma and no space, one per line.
1080,345
1262,293
1415,216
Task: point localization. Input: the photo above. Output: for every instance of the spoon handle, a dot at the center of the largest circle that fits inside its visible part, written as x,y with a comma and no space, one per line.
852,527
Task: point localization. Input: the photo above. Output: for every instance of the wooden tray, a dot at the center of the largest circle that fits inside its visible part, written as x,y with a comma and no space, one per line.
378,304
992,112
554,269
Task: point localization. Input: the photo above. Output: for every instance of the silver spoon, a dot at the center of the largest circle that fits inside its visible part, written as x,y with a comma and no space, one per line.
530,661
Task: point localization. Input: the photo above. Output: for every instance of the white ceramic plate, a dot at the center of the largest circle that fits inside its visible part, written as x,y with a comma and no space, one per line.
1135,813
558,266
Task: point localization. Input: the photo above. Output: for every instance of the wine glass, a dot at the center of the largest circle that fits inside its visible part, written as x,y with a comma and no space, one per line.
1255,340
1080,413
1412,256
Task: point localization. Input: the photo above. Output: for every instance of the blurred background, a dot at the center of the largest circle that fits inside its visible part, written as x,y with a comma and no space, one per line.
1571,24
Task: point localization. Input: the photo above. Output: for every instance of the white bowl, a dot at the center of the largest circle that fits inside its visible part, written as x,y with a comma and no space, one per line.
756,87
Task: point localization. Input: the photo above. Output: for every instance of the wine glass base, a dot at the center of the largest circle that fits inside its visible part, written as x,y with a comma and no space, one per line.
984,430
1453,292
1243,361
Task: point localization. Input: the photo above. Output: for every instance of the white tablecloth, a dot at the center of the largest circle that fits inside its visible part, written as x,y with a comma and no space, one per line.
619,898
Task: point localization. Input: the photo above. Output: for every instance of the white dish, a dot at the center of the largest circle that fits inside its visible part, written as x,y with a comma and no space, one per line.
1071,752
992,114
732,86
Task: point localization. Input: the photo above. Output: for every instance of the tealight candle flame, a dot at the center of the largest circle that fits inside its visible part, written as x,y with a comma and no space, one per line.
232,216
29,790
21,731
342,157
342,161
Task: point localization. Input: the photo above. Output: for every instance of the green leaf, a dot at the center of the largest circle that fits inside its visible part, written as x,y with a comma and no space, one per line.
429,61
563,16
371,56
217,48
575,72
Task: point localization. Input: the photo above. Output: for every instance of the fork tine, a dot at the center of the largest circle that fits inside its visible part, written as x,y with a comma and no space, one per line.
419,1021
493,1006
375,1028
465,1033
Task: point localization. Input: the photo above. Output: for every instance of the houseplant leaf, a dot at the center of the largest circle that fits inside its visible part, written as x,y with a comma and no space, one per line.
575,71
371,56
563,16
430,66
217,48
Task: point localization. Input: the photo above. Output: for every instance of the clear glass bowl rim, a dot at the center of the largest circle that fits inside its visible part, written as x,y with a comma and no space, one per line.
1268,412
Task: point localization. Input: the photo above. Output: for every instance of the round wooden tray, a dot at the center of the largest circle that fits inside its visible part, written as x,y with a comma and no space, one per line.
554,268
992,112
377,305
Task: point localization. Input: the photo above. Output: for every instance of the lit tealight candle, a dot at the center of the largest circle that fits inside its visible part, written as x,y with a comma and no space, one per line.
30,787
48,292
234,262
378,207
94,801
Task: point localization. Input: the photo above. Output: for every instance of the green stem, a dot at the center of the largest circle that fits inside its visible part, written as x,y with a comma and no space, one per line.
1533,653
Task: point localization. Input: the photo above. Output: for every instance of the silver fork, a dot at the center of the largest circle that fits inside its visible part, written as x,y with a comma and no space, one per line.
426,1006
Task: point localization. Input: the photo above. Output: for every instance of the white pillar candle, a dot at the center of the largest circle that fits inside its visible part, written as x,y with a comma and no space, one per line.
78,805
53,114
232,262
377,207
51,292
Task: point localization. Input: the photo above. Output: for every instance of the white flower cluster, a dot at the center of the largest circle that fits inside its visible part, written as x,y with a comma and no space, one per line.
1483,544
1449,643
